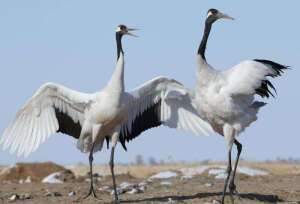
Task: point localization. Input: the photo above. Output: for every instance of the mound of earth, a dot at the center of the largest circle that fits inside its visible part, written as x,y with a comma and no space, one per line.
35,171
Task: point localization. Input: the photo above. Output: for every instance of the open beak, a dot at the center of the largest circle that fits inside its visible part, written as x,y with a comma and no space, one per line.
131,29
223,15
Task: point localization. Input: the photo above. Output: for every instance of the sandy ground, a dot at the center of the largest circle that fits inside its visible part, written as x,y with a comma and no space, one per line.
282,185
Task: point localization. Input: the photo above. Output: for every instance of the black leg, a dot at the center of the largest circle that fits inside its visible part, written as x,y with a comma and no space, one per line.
92,191
111,164
228,175
232,187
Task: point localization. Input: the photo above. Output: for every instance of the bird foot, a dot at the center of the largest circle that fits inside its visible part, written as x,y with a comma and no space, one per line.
233,191
91,192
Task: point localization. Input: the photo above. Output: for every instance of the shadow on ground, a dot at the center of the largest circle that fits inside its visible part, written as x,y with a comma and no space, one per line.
249,196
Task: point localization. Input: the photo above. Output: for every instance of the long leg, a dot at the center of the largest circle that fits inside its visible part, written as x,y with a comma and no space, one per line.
92,191
229,137
228,175
232,187
111,164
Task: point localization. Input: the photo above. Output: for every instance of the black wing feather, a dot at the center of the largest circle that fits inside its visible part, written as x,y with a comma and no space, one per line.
67,125
150,118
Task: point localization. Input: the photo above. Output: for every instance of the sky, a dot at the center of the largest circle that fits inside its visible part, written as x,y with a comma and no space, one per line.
72,43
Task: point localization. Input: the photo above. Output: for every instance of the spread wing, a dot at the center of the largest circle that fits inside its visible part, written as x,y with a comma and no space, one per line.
161,101
53,108
250,77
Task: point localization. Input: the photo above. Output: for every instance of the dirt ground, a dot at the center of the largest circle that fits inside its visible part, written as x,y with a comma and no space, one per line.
282,185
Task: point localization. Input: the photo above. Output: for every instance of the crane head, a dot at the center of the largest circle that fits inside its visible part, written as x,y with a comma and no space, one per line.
213,15
123,30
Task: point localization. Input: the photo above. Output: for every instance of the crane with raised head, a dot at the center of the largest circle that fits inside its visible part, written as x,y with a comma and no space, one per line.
226,99
108,114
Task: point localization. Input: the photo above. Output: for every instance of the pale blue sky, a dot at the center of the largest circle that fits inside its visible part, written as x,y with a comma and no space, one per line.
73,43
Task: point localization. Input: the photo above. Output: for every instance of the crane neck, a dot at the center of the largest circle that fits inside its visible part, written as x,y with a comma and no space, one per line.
202,47
119,44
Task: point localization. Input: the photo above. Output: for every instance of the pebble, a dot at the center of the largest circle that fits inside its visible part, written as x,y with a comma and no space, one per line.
28,179
127,186
166,183
170,200
134,191
14,197
119,191
104,188
72,193
48,194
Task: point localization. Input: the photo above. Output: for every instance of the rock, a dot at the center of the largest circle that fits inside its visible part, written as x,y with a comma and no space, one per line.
165,183
119,191
126,186
25,197
87,180
28,179
164,175
208,184
134,191
48,194
72,193
143,188
170,200
185,178
21,181
52,178
14,197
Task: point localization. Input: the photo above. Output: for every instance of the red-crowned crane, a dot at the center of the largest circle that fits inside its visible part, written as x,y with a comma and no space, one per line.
107,114
226,98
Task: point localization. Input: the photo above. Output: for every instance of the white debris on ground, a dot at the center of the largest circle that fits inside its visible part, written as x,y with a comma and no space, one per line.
170,200
251,172
143,183
72,193
28,179
166,183
104,188
164,175
134,191
14,197
119,191
213,202
51,178
220,171
126,186
192,171
185,178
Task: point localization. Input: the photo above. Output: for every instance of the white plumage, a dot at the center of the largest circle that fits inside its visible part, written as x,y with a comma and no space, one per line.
226,99
110,113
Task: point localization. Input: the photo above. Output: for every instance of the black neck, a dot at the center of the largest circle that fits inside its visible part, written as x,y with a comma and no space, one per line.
119,43
202,47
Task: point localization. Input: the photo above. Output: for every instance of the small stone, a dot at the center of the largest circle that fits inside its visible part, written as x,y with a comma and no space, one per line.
104,188
28,179
170,200
21,181
134,191
72,193
48,194
166,183
87,180
126,186
14,197
143,188
213,202
119,191
208,184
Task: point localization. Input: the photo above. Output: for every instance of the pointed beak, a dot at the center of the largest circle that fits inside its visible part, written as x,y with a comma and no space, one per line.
131,34
223,15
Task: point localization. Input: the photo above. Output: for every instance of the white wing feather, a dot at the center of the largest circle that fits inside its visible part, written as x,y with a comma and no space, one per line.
177,109
36,120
